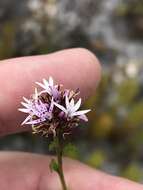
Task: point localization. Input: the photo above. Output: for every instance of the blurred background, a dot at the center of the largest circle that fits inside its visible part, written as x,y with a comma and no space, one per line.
113,30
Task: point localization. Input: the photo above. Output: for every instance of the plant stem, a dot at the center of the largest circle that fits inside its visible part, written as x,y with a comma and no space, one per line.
59,159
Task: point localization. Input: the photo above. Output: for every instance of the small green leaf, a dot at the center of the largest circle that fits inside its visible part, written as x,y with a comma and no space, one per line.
133,172
54,166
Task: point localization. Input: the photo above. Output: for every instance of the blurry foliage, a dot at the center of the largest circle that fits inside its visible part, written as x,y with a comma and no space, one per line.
96,159
133,172
135,116
132,12
117,120
134,7
7,40
127,91
115,105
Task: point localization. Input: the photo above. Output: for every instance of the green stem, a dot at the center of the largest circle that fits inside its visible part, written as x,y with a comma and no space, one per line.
59,159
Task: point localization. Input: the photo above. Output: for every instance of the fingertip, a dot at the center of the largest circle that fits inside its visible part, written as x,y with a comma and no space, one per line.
91,67
75,68
94,68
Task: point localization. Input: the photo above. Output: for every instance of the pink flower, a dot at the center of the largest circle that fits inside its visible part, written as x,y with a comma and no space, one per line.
35,108
53,108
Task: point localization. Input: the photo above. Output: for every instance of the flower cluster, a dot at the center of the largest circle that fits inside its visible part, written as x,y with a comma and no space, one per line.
53,108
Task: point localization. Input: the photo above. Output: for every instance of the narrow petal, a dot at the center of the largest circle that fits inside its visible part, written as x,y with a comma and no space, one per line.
40,84
46,83
83,117
26,100
51,106
80,112
60,107
24,110
67,103
36,94
72,102
25,104
77,105
46,86
51,82
27,118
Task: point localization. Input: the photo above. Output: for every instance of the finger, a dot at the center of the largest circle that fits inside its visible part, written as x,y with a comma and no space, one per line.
31,172
74,68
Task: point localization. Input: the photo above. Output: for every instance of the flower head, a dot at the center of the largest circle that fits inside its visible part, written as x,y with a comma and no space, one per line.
52,109
71,109
37,110
49,88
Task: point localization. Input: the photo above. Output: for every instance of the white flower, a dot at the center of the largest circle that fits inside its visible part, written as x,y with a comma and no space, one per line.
49,87
71,109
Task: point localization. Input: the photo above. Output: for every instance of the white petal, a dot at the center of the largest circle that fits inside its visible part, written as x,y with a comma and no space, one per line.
77,105
51,82
80,112
83,117
24,110
27,118
67,103
51,105
72,103
25,104
46,83
36,94
60,107
40,84
26,100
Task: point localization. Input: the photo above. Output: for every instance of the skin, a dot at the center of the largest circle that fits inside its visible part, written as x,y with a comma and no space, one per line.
73,68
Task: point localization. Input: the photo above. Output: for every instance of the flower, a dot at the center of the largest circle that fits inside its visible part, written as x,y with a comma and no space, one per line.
36,109
49,87
71,109
53,109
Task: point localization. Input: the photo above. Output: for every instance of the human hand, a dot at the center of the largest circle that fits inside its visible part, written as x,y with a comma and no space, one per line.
73,68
